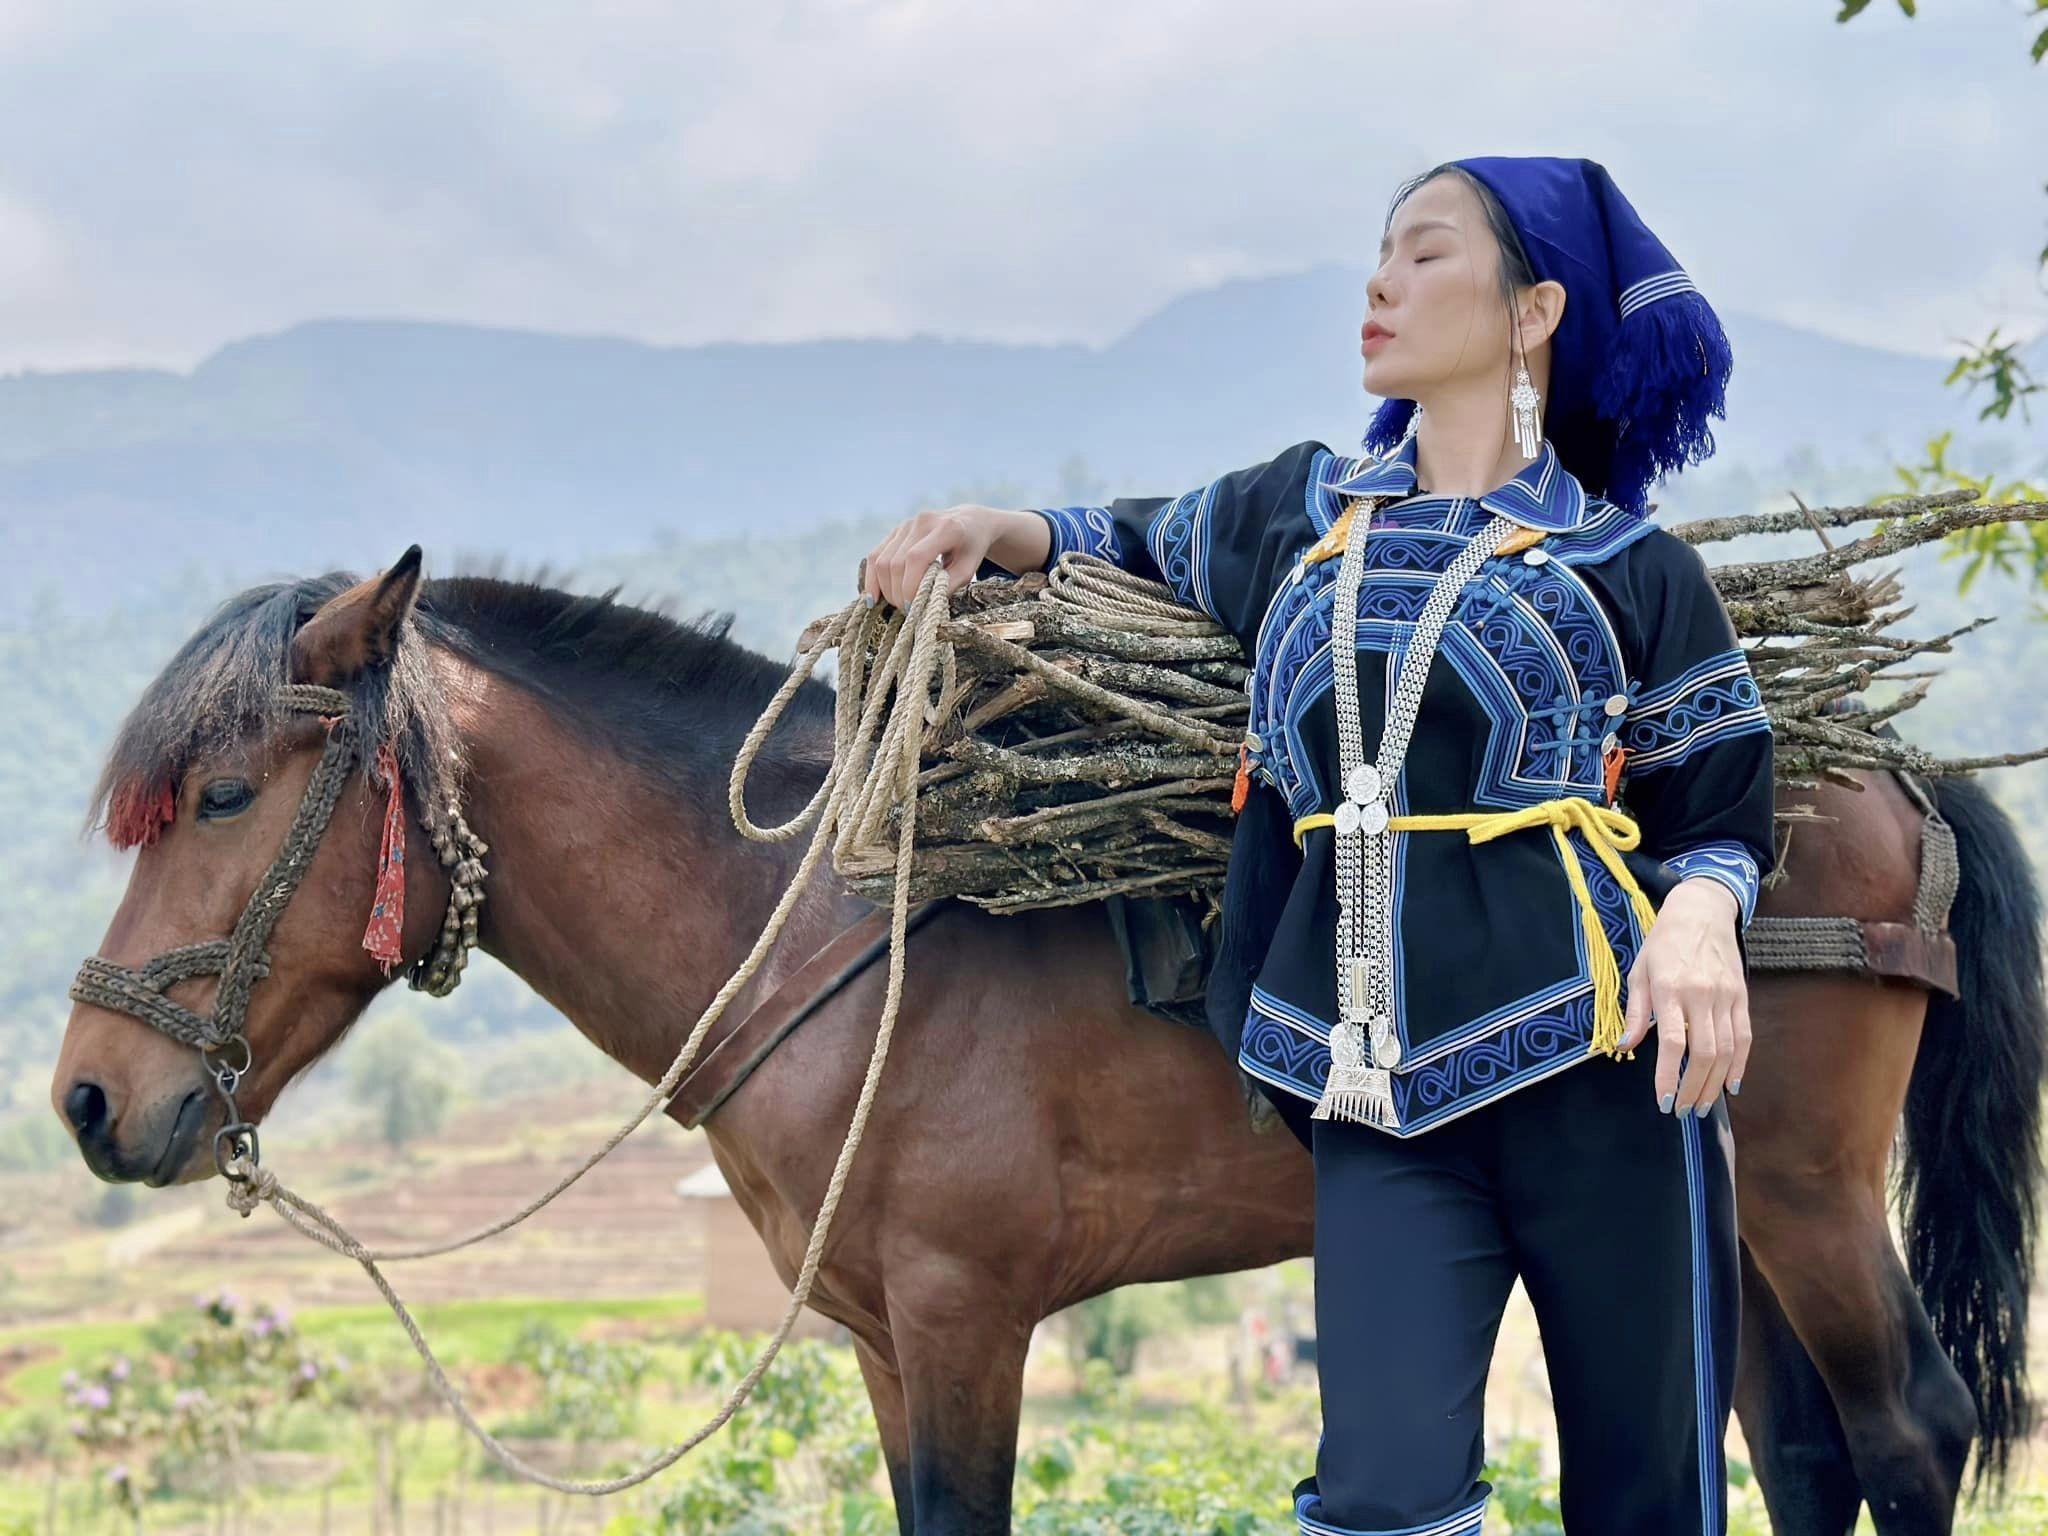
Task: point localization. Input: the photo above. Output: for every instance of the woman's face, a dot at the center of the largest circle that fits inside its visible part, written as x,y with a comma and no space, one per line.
1434,313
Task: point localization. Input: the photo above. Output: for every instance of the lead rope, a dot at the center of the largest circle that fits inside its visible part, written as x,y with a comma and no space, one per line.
906,652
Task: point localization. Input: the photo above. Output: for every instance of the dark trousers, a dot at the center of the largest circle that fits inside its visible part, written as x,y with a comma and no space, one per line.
1620,1222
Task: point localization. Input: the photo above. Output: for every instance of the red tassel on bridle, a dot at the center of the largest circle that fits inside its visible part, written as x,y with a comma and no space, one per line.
387,907
138,812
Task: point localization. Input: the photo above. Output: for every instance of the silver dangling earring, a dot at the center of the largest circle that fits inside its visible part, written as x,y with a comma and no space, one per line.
1522,403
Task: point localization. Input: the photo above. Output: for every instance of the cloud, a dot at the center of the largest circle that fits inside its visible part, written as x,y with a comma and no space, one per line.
1040,171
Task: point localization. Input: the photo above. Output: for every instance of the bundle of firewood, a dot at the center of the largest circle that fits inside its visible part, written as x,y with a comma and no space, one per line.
1085,741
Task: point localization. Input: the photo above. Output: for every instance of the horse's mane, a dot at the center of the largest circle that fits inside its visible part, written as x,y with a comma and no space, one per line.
673,696
676,696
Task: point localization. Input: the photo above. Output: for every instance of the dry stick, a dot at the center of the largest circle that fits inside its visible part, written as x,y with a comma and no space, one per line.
1712,530
1761,575
1141,761
1141,677
1024,661
1096,892
1024,828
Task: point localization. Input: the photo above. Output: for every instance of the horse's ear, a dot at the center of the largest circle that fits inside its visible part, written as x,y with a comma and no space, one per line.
359,629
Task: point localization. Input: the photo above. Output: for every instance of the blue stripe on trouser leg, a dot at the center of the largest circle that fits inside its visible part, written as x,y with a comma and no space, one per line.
1620,1223
1711,1420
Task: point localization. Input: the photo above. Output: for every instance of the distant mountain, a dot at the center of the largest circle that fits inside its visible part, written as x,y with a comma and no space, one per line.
338,442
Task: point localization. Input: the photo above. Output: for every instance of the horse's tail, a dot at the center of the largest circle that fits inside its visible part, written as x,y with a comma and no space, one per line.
1971,1166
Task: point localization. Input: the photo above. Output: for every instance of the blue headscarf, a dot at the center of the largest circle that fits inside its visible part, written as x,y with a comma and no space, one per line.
1639,364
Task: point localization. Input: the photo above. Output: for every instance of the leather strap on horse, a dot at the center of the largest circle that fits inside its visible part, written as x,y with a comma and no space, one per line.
821,978
1921,951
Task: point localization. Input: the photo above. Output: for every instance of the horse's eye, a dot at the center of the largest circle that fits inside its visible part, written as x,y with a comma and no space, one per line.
224,798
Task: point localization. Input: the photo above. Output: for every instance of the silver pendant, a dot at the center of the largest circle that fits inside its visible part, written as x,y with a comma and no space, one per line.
1372,817
1349,818
1360,976
1362,784
1347,1046
1386,1053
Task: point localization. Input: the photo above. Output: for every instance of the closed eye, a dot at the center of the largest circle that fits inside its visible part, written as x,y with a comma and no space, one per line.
224,799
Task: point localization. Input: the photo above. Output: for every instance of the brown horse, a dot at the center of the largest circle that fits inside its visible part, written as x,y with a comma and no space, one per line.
1036,1140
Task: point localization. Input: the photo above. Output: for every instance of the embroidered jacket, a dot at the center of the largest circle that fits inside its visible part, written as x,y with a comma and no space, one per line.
1606,633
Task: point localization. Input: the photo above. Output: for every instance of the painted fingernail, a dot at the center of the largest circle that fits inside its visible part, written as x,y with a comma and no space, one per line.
1735,1087
1664,1104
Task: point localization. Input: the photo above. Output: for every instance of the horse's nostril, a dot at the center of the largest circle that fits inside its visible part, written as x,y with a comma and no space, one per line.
85,1106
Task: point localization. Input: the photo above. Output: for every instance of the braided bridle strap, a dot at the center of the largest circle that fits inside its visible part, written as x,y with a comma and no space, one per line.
242,959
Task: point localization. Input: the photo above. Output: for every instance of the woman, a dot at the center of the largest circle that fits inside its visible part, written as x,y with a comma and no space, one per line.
1436,898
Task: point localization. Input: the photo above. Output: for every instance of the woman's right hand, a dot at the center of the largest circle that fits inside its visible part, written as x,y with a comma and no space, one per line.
963,537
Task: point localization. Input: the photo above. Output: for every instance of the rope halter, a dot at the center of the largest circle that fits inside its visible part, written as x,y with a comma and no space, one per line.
242,958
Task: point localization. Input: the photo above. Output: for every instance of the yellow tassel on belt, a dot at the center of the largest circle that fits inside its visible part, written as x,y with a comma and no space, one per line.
1608,831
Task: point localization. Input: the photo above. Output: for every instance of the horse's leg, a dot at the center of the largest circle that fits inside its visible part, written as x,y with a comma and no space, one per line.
892,1424
1811,1196
1904,1411
962,1362
1788,1420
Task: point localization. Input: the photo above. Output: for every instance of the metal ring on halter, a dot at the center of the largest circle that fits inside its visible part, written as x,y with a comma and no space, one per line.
248,1055
224,1163
228,1078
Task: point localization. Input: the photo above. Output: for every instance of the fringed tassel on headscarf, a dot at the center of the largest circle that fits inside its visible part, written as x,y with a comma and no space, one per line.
384,936
1389,426
1666,379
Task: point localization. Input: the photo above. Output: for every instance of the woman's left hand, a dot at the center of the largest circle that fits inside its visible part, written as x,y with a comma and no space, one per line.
1688,978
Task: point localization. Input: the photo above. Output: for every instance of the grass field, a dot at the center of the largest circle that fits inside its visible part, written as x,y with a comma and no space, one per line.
617,1259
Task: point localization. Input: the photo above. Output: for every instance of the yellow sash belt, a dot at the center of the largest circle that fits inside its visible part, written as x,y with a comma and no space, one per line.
1608,831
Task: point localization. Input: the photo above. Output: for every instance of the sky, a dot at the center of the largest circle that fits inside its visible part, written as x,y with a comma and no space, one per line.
178,174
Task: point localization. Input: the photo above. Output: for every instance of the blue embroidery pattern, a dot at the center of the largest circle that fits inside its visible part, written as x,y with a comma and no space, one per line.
1707,703
1088,530
1288,1047
1540,636
1179,540
1730,863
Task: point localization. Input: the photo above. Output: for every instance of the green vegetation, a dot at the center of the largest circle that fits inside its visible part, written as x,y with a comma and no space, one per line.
401,1077
235,1404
